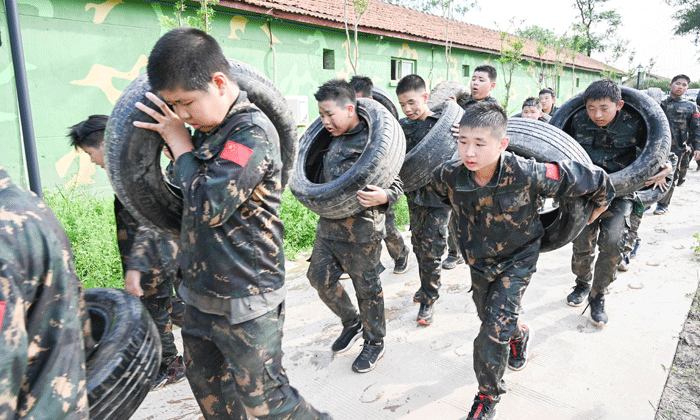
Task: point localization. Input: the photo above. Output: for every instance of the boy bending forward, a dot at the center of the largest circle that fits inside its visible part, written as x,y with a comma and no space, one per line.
494,198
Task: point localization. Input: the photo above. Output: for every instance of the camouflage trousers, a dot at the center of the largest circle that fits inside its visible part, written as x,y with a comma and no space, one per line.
452,245
666,200
632,237
393,239
497,301
329,259
683,166
236,370
609,232
428,237
159,301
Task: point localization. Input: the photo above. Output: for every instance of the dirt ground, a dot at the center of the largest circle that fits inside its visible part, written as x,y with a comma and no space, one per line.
577,371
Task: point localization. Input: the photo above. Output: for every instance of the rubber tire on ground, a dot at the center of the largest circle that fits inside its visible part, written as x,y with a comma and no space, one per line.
658,144
383,97
378,165
133,154
126,359
443,90
545,143
436,148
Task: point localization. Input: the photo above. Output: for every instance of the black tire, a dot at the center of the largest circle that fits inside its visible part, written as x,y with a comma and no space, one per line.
658,144
545,143
133,154
436,148
121,368
383,97
443,90
378,165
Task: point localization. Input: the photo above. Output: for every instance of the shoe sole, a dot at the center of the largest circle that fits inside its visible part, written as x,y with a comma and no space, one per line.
371,367
596,323
350,343
527,351
405,270
176,381
623,268
574,304
424,321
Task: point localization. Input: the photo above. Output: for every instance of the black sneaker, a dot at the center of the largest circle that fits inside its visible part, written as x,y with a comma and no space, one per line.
401,264
633,254
520,349
451,261
417,295
347,338
624,264
575,298
371,352
680,182
425,314
169,373
483,408
598,315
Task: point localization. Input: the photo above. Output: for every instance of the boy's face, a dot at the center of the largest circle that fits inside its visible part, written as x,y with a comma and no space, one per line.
547,101
479,149
337,119
678,88
96,154
204,110
531,112
603,111
414,104
481,85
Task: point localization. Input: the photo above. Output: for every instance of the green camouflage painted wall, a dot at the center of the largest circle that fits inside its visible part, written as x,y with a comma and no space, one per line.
81,55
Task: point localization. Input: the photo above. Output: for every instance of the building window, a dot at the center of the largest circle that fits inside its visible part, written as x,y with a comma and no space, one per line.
465,71
577,82
328,60
401,67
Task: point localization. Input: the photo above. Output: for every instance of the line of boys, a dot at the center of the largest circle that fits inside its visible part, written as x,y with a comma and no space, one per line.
231,241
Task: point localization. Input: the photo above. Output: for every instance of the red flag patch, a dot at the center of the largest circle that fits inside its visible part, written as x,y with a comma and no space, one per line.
552,171
696,115
2,313
236,153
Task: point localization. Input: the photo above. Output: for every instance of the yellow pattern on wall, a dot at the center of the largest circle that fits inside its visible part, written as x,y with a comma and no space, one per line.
101,76
102,10
267,31
237,24
410,53
86,169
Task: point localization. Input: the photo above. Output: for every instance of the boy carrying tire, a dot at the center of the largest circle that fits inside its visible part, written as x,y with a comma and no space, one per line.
231,254
428,215
610,135
352,244
148,260
493,195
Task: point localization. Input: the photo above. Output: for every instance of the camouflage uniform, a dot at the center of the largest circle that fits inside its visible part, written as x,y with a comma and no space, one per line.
684,119
352,244
155,256
233,270
42,363
452,247
499,234
613,148
552,111
393,239
428,216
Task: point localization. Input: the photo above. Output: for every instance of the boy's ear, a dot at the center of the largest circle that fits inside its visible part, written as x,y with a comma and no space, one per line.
220,80
493,85
505,141
620,105
425,96
351,110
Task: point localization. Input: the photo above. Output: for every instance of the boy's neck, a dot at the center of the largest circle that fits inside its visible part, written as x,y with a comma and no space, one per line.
481,97
484,175
427,113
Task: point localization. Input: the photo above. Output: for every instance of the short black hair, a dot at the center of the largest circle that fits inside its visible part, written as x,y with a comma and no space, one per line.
548,90
363,85
337,90
486,115
681,76
532,101
186,58
602,89
409,83
488,69
88,133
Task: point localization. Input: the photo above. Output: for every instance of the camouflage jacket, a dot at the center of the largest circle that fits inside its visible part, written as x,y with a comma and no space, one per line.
144,249
552,111
684,119
465,99
368,224
613,147
231,238
415,131
498,224
42,366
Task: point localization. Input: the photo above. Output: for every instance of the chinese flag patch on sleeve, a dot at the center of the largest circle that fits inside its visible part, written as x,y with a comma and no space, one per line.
696,115
2,313
552,171
236,153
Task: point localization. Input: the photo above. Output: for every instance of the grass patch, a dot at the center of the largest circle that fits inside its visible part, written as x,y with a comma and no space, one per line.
89,223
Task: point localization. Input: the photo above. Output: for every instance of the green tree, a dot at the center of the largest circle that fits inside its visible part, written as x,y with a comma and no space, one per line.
688,18
510,58
548,41
202,20
591,18
360,7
